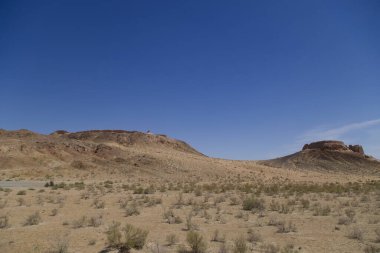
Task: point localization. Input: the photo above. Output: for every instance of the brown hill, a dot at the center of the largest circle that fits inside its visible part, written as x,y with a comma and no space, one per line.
132,155
104,150
332,156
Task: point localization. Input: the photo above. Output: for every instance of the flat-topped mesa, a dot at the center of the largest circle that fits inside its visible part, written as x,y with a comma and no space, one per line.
333,146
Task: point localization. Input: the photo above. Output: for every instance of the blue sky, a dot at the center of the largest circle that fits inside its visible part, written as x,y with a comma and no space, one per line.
235,79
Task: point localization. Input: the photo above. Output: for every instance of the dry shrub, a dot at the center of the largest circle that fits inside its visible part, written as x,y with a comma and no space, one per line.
286,227
240,244
33,219
254,236
356,233
196,242
126,239
171,239
4,221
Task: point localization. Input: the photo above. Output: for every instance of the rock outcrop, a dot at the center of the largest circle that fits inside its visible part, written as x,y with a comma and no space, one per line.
329,156
333,146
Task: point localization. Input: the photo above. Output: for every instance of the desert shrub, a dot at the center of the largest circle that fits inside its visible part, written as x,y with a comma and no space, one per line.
285,209
4,221
95,221
132,209
129,238
54,212
217,237
377,233
170,217
274,221
61,246
270,248
356,233
33,219
234,201
274,205
138,190
289,248
152,201
99,204
223,248
371,249
3,203
198,191
189,223
219,199
350,214
157,248
321,210
171,239
344,220
181,249
21,202
78,165
286,227
305,203
114,235
240,244
253,204
254,236
134,237
22,192
373,220
196,242
80,223
92,242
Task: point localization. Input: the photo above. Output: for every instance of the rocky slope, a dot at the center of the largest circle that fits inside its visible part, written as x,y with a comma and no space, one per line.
333,156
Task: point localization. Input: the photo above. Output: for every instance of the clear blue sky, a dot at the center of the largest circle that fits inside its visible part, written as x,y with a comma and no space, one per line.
235,79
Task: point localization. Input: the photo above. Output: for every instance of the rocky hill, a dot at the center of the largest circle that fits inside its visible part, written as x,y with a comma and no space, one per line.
94,150
333,156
